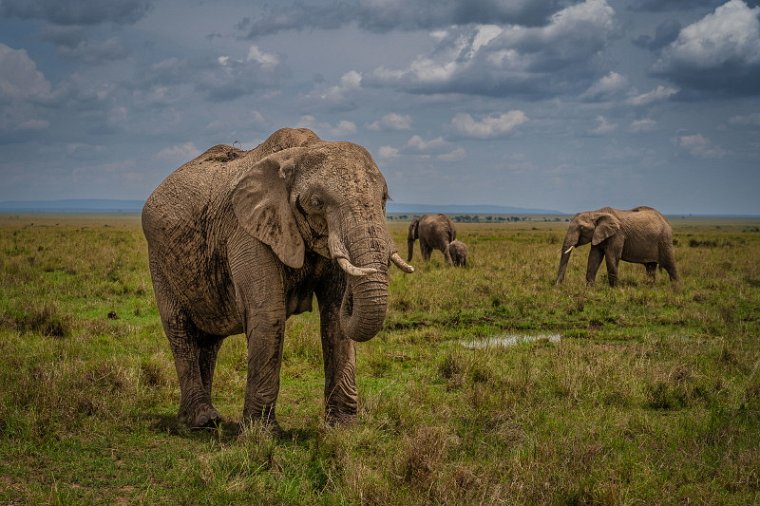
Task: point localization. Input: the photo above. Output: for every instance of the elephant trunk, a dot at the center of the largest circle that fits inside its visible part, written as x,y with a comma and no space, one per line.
409,249
365,299
567,248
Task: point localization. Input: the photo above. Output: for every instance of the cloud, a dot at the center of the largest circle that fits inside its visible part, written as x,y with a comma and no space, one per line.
392,121
340,129
338,97
77,12
720,52
453,156
643,125
603,126
420,144
185,151
607,87
493,60
229,78
19,77
489,126
699,146
752,119
656,95
670,5
387,152
388,15
665,33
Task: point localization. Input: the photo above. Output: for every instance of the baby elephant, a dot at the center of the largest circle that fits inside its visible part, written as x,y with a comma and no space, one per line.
458,253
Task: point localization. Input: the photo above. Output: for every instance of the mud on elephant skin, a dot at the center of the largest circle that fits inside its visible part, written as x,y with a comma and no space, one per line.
435,232
641,235
239,241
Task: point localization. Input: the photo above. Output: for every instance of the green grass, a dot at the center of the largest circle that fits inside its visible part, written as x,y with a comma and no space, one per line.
651,396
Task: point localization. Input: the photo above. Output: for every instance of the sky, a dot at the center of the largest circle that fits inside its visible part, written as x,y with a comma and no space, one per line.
551,104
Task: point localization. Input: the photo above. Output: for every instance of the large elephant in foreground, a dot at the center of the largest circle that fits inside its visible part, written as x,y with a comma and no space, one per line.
435,231
641,235
239,241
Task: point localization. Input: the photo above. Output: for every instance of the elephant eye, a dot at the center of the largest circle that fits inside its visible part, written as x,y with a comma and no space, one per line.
316,202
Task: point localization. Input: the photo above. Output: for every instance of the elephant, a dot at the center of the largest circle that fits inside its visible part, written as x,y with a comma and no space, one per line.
458,253
641,235
435,231
240,240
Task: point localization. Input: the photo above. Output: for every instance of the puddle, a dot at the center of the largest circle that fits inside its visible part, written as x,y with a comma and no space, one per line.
508,340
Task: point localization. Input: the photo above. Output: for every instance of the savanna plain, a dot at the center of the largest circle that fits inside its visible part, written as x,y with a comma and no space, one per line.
651,395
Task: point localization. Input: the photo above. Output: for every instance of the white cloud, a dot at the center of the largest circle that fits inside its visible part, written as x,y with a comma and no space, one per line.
491,60
338,96
19,77
752,119
489,126
387,152
340,129
265,59
643,125
717,50
700,146
453,156
656,95
421,144
392,121
608,86
185,151
603,126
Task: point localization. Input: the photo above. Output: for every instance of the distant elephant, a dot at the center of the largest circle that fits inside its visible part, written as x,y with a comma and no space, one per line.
458,253
641,235
435,231
239,241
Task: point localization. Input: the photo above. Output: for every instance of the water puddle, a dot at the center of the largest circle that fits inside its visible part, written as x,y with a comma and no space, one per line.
508,340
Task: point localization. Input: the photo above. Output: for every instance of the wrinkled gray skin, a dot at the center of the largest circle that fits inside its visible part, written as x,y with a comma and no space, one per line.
238,241
641,235
435,232
458,253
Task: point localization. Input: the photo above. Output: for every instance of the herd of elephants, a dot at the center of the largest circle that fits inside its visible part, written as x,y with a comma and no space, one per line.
240,240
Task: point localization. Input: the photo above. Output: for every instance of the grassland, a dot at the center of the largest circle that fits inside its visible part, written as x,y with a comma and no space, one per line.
651,396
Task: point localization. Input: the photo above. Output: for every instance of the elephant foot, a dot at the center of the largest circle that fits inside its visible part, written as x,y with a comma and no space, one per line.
202,417
336,416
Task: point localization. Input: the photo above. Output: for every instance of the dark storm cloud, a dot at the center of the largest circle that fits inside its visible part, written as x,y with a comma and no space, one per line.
489,60
720,53
77,12
380,17
665,33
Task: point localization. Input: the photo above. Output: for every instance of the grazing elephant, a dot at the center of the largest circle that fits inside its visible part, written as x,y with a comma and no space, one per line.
435,231
239,241
641,235
458,253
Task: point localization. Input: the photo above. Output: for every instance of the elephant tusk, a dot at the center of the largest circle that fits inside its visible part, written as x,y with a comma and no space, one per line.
353,270
568,250
399,262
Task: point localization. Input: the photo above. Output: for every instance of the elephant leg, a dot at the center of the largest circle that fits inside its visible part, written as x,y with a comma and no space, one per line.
651,268
338,352
195,407
669,264
426,250
594,261
612,268
447,254
261,299
209,347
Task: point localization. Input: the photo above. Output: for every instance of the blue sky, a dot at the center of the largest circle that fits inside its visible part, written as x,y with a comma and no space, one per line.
556,104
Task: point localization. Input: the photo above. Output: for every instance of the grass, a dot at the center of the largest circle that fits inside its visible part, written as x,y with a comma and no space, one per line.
651,396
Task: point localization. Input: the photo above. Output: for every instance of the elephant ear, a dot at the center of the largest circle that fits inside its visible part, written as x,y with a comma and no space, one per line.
606,226
261,203
413,228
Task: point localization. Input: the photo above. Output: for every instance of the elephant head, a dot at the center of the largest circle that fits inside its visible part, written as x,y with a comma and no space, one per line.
590,226
329,198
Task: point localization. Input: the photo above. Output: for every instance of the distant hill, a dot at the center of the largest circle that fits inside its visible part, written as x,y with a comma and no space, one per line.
135,206
399,208
72,206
